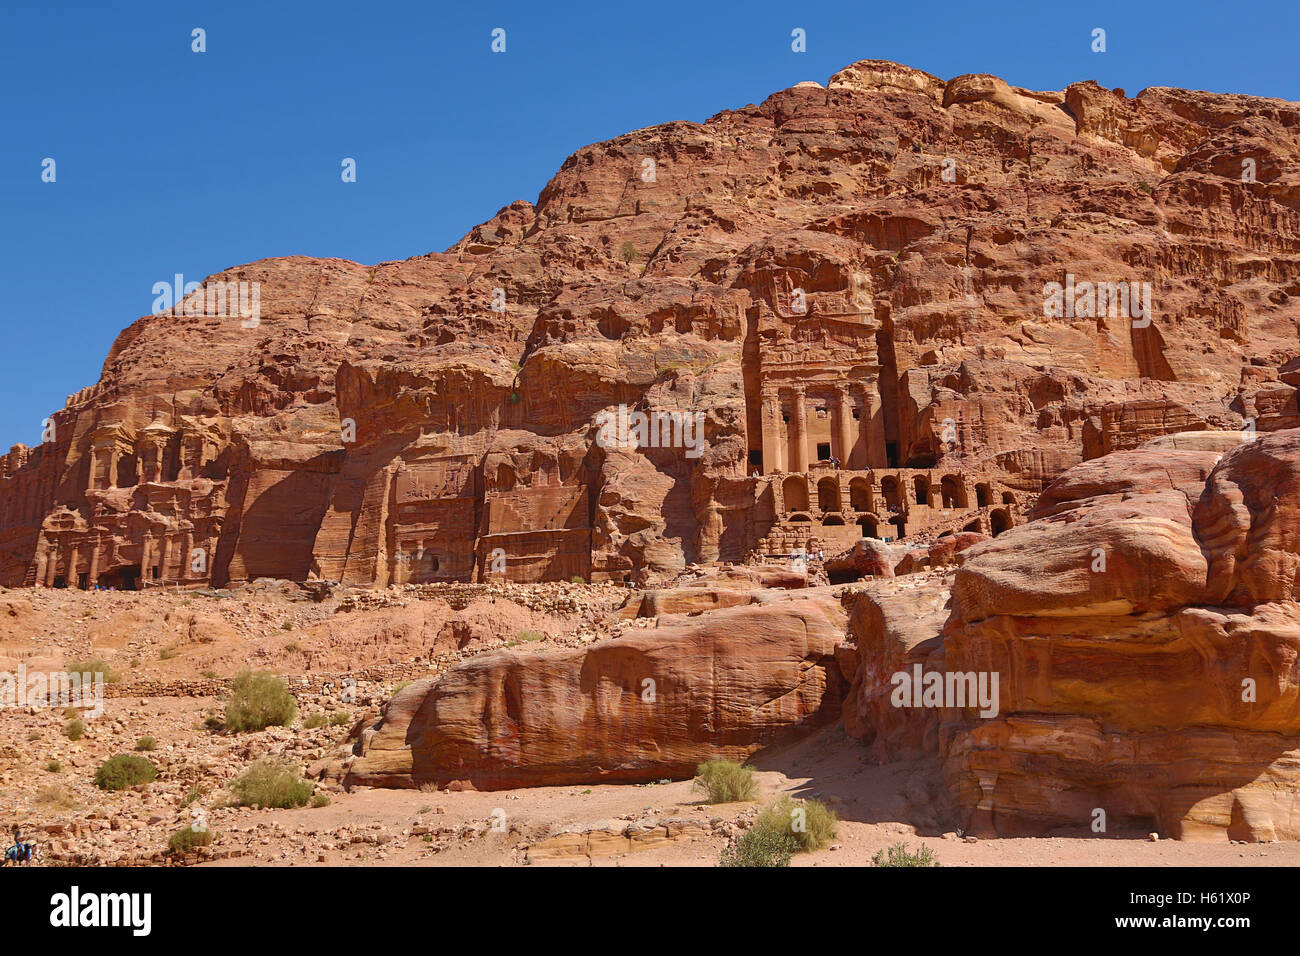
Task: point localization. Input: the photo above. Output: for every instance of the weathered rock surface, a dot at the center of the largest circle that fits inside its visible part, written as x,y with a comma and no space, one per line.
851,273
895,629
645,706
867,558
1145,630
942,553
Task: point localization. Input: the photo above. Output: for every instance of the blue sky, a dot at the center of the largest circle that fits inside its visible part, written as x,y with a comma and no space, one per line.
173,161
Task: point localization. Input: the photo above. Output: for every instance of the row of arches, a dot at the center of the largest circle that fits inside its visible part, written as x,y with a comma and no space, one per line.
952,493
868,524
999,521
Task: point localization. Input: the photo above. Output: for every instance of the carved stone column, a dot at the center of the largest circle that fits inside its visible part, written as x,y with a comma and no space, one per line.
95,455
773,459
214,536
93,577
844,413
877,418
42,558
146,560
800,416
164,554
52,565
872,427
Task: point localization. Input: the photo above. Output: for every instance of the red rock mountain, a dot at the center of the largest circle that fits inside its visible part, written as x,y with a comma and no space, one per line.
850,284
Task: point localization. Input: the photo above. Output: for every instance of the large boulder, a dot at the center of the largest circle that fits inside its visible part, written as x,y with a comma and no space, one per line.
1144,633
648,705
868,558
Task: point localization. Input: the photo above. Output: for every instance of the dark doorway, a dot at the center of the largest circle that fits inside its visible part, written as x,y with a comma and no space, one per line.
126,473
125,578
828,495
889,489
860,494
954,495
795,492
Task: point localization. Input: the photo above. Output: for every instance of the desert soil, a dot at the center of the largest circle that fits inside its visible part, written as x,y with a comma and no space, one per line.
172,652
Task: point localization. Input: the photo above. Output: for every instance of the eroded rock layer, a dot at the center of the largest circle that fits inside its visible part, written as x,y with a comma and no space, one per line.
848,288
1144,627
637,708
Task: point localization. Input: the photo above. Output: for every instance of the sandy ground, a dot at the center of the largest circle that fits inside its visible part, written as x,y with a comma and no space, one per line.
870,800
172,650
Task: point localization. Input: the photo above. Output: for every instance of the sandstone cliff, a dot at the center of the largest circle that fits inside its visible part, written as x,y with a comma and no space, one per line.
1144,627
846,286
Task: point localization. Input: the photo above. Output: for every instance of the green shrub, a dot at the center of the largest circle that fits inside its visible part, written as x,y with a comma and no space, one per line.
146,743
74,729
312,721
577,579
898,855
210,675
320,800
810,822
529,636
726,782
167,653
54,767
257,701
340,718
189,839
271,783
124,770
766,843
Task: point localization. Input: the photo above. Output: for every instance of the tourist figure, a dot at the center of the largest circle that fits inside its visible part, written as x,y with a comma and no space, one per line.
22,850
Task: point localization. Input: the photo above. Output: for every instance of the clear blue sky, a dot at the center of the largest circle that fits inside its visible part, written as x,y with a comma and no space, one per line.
171,161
